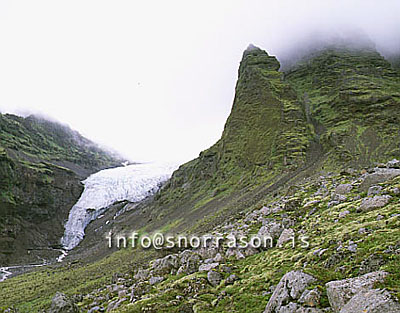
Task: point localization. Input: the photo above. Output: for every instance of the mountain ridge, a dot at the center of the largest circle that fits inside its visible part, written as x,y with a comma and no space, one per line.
299,154
42,164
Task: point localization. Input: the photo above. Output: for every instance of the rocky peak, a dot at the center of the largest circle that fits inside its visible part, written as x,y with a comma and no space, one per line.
254,56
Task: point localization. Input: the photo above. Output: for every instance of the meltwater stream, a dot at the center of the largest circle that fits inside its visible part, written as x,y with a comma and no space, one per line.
132,183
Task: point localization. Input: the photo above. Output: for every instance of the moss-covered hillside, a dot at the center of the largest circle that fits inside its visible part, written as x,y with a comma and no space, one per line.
303,152
41,165
354,97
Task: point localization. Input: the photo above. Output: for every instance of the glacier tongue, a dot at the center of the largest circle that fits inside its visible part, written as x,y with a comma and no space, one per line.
132,183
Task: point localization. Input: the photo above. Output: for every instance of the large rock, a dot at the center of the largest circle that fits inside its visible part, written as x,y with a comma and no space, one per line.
208,267
341,291
214,278
379,176
166,265
62,304
189,261
394,164
155,280
290,288
271,228
369,204
343,189
372,301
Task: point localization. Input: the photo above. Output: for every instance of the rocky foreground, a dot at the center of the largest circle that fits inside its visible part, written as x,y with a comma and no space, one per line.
352,220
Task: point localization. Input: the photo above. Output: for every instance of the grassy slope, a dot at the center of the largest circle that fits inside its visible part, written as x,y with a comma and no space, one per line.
259,272
238,173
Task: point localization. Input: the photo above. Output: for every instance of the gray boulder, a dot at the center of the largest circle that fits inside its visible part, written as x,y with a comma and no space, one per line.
393,164
372,301
62,304
214,278
155,280
369,204
379,176
208,267
270,228
343,189
189,262
290,287
341,291
166,265
374,190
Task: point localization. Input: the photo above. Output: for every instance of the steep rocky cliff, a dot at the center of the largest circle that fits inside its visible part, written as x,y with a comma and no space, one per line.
41,165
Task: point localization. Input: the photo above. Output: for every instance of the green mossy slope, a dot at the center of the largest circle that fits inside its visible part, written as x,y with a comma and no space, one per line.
354,97
41,165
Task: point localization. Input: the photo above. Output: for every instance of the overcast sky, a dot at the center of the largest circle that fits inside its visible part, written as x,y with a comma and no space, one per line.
155,79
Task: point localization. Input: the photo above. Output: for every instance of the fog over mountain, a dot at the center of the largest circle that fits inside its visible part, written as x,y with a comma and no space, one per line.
155,80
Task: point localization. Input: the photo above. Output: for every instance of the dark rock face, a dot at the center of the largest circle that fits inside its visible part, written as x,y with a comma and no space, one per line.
35,222
41,166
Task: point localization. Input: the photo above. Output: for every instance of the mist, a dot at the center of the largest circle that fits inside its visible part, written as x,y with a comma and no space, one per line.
155,80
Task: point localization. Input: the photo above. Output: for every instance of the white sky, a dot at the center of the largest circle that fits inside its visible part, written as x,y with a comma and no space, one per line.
155,79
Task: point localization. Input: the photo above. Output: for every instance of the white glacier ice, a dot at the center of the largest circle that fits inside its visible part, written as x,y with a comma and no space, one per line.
131,182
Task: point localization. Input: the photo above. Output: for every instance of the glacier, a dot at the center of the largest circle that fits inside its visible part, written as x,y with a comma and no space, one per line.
131,182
